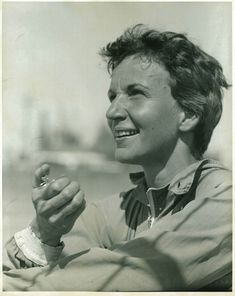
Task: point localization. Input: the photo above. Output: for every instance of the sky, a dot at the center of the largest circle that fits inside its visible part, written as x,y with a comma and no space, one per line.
51,61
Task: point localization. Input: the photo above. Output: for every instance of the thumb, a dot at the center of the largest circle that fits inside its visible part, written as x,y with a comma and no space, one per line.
41,173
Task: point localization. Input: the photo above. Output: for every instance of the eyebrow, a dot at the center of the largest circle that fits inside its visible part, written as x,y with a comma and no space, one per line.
134,85
130,87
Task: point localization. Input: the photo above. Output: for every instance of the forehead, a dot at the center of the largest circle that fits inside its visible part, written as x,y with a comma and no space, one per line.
139,70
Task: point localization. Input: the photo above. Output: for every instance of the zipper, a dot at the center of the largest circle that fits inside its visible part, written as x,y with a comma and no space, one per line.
151,208
150,221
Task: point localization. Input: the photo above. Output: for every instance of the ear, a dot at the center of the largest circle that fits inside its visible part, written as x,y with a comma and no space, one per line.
188,122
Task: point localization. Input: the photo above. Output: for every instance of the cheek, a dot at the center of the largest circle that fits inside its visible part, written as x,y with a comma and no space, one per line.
170,115
163,125
154,116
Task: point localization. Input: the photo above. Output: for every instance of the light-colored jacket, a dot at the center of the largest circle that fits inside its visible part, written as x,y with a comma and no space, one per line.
174,238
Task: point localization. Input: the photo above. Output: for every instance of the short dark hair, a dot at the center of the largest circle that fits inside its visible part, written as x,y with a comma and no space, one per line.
196,80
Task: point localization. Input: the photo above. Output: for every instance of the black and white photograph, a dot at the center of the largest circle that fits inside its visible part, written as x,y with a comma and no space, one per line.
117,146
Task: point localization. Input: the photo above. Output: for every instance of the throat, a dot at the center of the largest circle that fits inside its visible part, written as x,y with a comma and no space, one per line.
161,175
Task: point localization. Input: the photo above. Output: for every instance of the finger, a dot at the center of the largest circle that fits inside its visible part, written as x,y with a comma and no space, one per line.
77,205
40,172
57,203
56,186
70,219
75,210
43,193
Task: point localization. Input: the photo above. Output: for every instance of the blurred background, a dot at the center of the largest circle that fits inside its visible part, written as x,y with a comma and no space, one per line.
55,90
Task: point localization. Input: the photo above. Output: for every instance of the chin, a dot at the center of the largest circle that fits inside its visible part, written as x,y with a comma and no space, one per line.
125,158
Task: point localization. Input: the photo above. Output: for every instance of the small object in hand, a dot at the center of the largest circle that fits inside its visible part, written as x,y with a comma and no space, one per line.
45,180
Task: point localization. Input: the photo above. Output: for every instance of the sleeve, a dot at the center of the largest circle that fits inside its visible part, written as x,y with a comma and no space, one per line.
185,251
16,256
25,250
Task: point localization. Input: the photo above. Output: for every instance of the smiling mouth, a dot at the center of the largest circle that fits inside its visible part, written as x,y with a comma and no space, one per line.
125,133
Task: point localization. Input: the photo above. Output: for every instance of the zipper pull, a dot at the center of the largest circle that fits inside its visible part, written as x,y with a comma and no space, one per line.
150,221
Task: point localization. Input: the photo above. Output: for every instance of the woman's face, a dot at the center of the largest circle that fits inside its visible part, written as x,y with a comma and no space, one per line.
143,115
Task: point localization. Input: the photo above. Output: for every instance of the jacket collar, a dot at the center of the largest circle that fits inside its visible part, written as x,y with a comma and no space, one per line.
180,184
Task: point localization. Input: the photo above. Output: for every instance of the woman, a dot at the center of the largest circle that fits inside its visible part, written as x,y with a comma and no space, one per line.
173,230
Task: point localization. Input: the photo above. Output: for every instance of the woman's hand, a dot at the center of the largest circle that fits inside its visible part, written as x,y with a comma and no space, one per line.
57,203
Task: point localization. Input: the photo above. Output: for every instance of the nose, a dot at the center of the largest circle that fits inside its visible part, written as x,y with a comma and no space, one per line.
116,110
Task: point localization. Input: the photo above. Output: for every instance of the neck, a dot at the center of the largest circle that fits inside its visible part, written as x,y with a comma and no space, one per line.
161,173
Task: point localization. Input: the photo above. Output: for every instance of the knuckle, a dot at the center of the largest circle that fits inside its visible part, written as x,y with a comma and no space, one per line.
36,197
41,209
63,181
56,220
75,185
58,185
82,193
52,220
55,187
67,193
44,208
77,201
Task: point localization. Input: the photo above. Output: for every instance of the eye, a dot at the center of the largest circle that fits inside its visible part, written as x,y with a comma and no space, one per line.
136,92
111,96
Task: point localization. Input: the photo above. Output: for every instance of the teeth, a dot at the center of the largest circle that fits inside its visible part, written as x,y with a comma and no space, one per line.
125,133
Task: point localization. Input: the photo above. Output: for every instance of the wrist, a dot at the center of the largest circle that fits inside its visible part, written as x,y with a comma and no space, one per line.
34,250
45,238
53,242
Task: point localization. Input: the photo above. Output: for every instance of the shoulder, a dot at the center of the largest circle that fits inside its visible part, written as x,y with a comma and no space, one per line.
216,173
216,178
